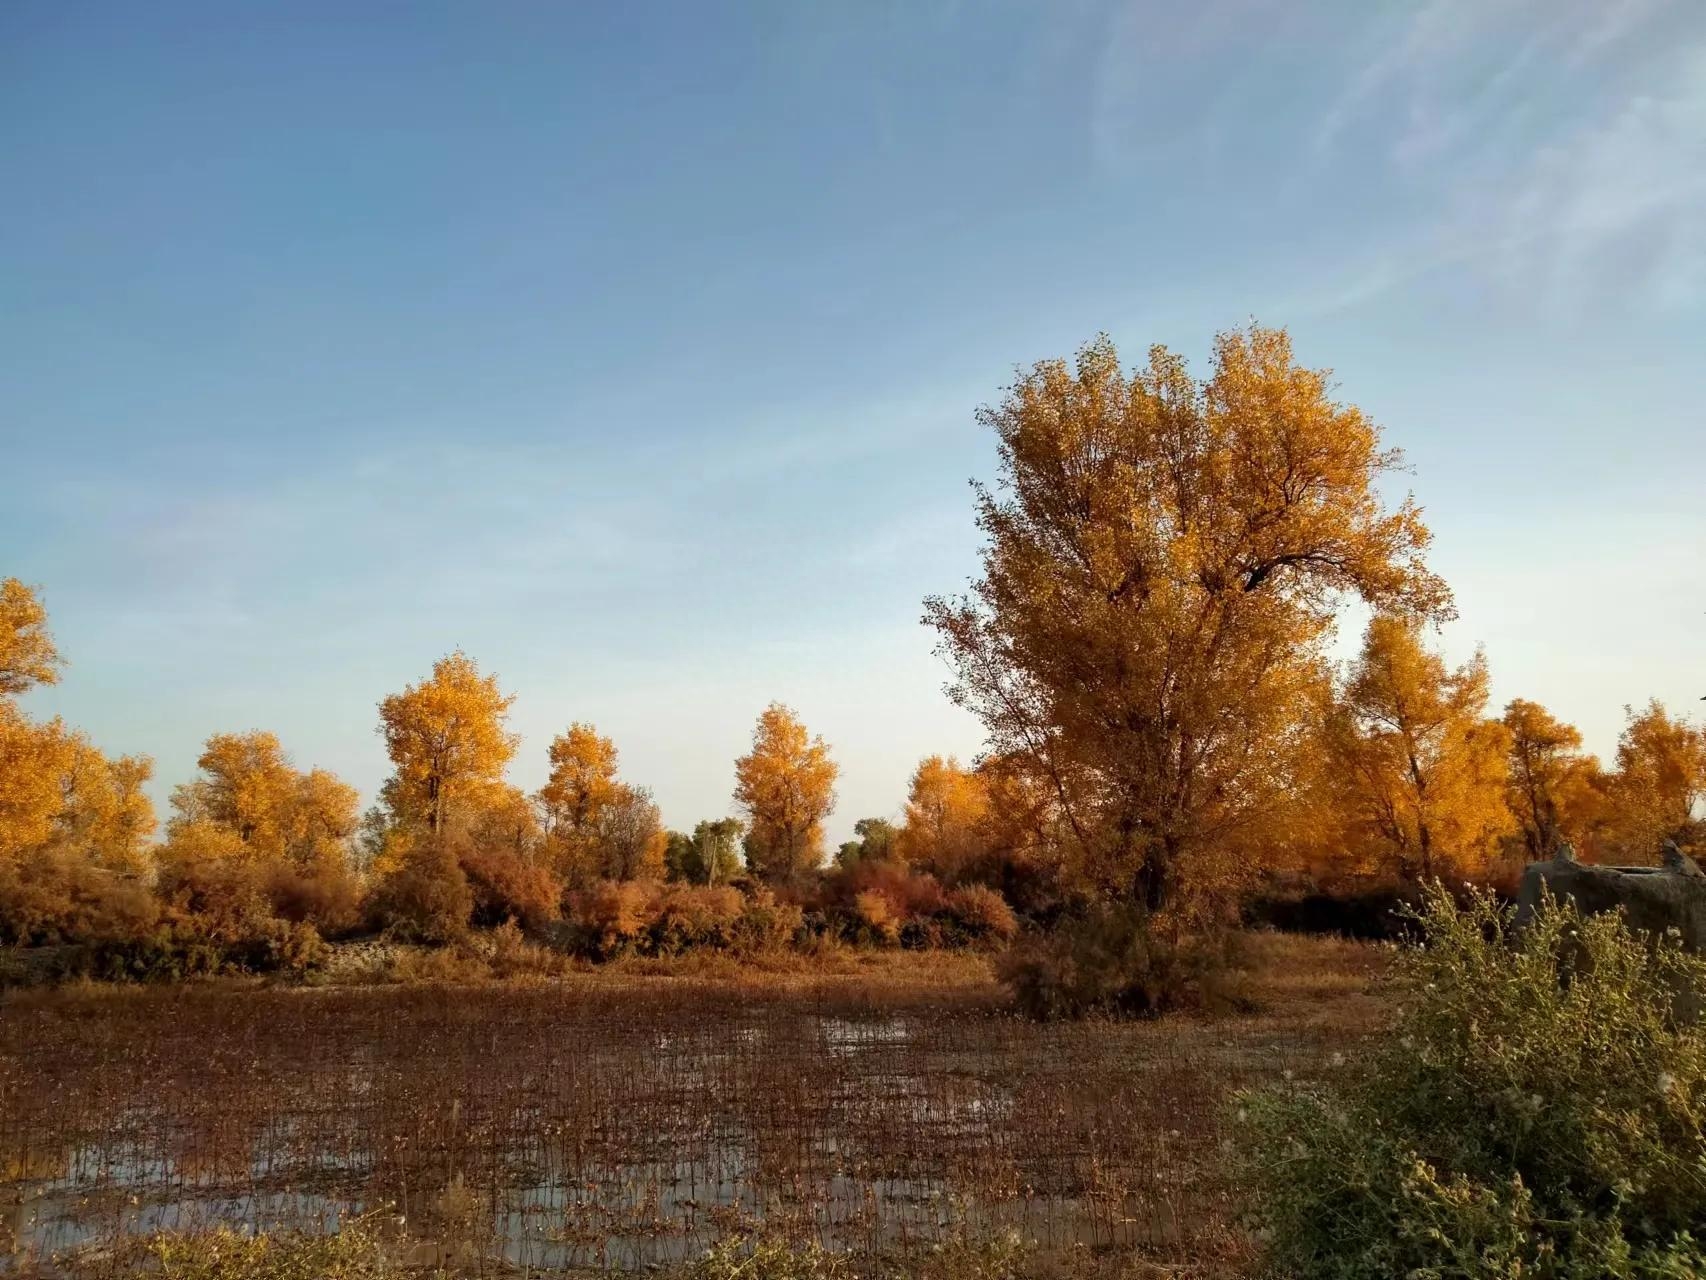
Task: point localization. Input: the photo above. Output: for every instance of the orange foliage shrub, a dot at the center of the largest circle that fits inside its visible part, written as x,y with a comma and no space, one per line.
505,887
885,903
912,894
427,898
611,915
696,915
224,897
56,897
877,915
767,923
628,915
326,895
981,913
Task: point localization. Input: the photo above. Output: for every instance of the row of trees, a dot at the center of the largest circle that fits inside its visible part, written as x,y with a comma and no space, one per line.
1165,563
450,748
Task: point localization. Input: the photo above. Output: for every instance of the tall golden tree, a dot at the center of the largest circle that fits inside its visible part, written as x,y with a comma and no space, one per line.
323,817
1163,560
447,740
56,789
786,787
947,809
581,786
1552,781
252,804
1426,770
247,788
1659,786
33,760
27,653
505,818
597,826
631,838
104,813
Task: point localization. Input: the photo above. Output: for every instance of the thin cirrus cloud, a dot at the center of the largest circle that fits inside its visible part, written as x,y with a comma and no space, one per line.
1568,170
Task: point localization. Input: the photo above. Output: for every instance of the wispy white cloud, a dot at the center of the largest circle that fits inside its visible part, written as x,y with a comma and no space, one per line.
1618,205
1554,151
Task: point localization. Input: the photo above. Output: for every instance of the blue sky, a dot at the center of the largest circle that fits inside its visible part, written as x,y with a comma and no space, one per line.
634,348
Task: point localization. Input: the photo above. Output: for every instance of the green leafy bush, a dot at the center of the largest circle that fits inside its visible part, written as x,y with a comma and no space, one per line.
1117,960
1536,1111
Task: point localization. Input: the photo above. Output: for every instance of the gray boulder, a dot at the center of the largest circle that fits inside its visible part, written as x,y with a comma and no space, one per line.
1669,896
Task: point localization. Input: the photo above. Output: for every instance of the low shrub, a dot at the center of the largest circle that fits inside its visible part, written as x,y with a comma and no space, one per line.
505,887
874,902
426,899
876,917
979,914
1539,1109
54,897
767,923
326,895
1117,960
686,916
514,955
610,917
223,899
1001,1258
617,917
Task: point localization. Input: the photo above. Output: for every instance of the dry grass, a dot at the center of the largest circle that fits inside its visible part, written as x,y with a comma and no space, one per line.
631,1115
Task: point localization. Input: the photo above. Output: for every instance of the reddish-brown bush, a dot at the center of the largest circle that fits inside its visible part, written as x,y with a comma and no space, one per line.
326,895
878,917
981,914
223,898
507,888
611,915
55,897
767,923
696,916
911,894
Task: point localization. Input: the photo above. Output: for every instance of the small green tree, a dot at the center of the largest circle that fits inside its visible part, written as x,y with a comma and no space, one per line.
711,855
875,843
1536,1111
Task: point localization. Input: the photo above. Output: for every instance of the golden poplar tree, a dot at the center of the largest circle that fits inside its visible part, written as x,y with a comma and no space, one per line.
597,826
578,790
1555,788
786,787
246,789
104,814
1425,770
1163,559
58,792
262,807
27,653
1659,786
33,761
947,810
447,740
631,838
